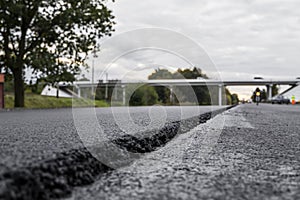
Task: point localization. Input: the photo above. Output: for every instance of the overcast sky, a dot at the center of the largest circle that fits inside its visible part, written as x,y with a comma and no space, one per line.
243,38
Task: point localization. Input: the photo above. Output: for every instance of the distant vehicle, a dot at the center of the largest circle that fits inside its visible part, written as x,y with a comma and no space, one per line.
298,78
280,100
258,78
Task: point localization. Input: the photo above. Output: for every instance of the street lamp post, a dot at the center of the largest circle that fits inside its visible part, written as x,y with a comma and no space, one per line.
106,86
93,70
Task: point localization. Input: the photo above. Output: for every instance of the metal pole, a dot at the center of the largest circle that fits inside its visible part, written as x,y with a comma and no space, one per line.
106,86
93,78
93,66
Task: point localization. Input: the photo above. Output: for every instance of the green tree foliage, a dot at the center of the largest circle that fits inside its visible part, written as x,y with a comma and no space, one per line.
145,95
275,90
189,74
228,97
162,92
160,74
235,99
200,92
263,95
50,37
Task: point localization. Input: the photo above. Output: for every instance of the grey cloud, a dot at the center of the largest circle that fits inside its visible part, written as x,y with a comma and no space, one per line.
242,37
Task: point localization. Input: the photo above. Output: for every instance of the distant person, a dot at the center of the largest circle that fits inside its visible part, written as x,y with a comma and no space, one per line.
293,100
257,96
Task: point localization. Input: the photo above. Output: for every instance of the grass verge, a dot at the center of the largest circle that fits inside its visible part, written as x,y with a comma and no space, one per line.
38,101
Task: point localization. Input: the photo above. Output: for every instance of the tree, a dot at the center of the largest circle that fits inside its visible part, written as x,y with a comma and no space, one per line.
42,34
160,74
201,92
162,92
228,97
144,95
189,74
235,98
263,95
275,90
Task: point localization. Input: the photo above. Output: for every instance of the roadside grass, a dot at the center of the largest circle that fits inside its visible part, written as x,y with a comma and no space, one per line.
38,101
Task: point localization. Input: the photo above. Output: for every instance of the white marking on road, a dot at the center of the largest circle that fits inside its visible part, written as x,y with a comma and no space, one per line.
237,120
204,136
199,141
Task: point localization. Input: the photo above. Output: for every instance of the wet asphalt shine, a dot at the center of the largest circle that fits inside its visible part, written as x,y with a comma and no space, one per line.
244,152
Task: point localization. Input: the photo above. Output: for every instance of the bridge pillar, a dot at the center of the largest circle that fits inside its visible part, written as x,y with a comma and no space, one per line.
269,91
79,92
220,94
171,94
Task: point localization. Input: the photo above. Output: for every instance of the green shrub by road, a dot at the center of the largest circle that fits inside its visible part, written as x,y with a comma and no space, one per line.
38,101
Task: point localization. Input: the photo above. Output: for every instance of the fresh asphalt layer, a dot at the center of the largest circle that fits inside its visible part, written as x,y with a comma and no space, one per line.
248,152
28,136
44,154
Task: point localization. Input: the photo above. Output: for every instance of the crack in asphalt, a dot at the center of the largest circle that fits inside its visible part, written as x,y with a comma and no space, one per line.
55,178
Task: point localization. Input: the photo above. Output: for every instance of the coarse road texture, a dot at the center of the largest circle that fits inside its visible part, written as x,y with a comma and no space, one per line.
42,155
27,136
255,155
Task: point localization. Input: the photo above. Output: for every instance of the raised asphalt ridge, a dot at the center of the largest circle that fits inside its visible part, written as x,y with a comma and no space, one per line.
55,178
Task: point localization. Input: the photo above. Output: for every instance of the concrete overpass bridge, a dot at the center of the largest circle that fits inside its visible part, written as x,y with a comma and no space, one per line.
188,82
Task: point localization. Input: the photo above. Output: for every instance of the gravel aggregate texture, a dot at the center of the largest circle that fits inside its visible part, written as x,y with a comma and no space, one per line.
53,173
253,154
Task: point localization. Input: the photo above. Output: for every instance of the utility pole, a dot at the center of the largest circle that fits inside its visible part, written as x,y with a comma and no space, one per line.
106,86
93,70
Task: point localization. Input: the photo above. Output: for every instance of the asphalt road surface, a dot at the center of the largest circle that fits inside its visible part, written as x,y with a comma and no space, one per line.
247,152
28,136
255,154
